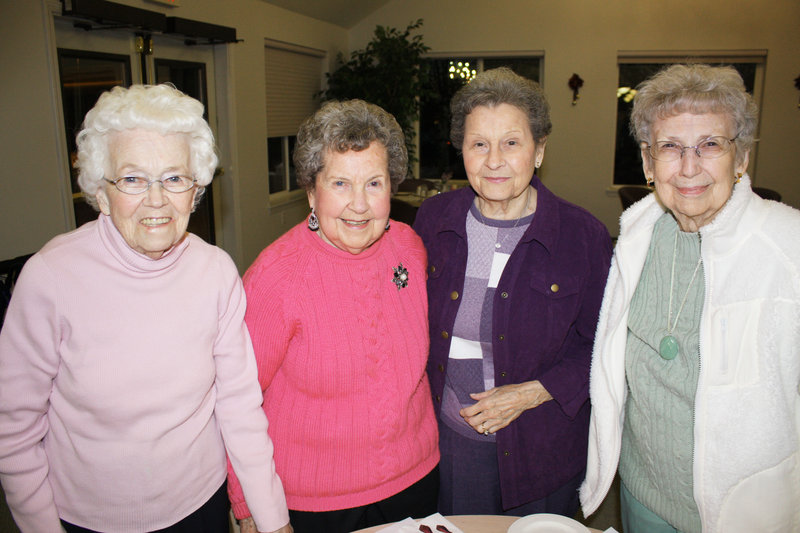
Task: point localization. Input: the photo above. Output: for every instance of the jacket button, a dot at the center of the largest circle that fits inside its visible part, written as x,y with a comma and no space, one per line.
504,295
441,368
554,287
432,269
454,295
445,335
502,337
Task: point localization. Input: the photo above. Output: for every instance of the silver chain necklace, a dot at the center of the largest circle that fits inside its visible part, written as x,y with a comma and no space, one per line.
498,245
668,348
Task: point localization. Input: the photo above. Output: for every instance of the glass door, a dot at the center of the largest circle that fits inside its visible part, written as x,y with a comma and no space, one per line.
91,62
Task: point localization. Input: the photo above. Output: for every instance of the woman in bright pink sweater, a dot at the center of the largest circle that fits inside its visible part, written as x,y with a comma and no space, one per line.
337,312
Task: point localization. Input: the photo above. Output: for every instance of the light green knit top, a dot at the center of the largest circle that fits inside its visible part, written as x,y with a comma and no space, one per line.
657,440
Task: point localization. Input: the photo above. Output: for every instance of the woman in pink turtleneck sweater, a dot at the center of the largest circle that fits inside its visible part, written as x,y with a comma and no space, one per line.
126,371
337,311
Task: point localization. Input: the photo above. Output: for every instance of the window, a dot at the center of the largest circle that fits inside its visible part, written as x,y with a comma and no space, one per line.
635,69
447,75
293,81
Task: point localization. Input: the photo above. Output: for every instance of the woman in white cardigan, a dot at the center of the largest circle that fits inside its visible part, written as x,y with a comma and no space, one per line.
696,365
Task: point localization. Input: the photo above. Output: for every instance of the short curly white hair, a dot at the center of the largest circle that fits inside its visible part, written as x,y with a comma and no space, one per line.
160,108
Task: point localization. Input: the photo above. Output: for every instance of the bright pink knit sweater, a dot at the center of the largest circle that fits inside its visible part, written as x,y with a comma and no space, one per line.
341,356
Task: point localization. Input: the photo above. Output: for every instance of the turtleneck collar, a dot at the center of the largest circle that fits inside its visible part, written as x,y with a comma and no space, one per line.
131,259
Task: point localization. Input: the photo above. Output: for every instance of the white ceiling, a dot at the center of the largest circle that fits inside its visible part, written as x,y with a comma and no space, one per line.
345,13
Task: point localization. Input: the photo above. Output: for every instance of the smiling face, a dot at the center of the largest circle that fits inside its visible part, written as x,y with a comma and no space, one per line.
351,198
154,221
694,188
500,157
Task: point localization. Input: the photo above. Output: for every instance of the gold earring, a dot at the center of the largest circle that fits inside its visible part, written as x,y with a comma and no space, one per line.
738,177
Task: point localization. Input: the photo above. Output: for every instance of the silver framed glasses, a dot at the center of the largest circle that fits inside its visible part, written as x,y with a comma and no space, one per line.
138,185
711,148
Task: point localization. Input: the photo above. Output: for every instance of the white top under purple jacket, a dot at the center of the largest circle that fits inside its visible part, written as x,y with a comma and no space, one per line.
120,376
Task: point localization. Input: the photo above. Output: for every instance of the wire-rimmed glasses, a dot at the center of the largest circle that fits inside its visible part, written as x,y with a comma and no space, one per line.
711,148
138,185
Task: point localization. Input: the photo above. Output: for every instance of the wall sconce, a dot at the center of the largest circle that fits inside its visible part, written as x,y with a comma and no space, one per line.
575,83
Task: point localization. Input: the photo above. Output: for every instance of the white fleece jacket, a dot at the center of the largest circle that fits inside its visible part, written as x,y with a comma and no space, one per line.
747,407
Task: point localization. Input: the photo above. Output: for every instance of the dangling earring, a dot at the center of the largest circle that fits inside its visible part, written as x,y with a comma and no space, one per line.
738,177
388,223
313,221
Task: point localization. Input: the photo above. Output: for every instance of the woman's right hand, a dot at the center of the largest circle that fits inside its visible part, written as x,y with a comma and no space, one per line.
248,525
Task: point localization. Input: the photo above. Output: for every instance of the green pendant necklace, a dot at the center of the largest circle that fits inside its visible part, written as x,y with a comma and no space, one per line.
668,348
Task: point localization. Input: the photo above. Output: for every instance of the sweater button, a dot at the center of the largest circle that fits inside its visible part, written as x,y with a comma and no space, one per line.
504,295
445,335
441,368
432,269
506,453
502,374
502,337
554,287
454,295
439,399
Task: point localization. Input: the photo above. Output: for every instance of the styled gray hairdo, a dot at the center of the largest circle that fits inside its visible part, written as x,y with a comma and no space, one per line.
340,126
160,108
500,86
695,89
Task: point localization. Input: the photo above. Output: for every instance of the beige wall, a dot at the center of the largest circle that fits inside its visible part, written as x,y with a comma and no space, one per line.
584,37
576,36
33,204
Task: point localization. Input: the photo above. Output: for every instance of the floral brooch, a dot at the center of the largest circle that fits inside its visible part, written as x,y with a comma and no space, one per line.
400,276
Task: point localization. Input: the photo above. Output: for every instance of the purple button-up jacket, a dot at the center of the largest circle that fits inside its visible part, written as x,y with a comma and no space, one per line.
545,313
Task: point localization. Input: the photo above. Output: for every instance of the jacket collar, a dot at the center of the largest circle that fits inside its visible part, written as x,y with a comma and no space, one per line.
721,232
544,228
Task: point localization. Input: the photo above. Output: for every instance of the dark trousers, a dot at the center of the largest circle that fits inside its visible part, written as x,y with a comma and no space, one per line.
212,517
417,501
470,481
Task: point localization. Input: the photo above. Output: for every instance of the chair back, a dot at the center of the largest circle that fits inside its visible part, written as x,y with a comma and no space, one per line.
631,194
767,194
9,272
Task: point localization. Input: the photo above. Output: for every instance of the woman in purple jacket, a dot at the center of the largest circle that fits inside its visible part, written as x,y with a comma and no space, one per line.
515,280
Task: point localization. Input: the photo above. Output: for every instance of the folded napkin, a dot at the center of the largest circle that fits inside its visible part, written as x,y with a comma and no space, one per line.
409,525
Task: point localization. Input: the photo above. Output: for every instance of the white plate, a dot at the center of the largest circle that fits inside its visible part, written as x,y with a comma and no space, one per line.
547,523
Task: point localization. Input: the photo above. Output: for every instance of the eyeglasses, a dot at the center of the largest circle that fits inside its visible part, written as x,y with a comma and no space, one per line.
711,148
138,185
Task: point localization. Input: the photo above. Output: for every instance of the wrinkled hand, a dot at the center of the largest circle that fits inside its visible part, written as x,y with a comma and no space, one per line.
248,525
498,407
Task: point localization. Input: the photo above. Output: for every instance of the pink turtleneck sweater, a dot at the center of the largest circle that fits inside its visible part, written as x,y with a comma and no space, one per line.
341,359
119,378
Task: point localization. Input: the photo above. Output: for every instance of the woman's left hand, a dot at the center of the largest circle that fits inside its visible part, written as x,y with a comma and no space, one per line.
498,407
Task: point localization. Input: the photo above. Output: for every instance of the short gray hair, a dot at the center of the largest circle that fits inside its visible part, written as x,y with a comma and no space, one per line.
500,86
159,108
695,89
342,126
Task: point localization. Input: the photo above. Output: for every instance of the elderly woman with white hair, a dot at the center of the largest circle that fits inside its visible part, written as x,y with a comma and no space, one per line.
696,363
126,370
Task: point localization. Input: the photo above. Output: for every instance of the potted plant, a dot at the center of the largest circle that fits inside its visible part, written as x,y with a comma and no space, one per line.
388,72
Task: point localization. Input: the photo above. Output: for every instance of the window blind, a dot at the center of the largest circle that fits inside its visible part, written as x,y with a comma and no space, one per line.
293,77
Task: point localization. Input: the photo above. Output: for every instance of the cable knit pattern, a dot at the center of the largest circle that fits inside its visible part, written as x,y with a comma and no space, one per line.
657,439
341,355
123,382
